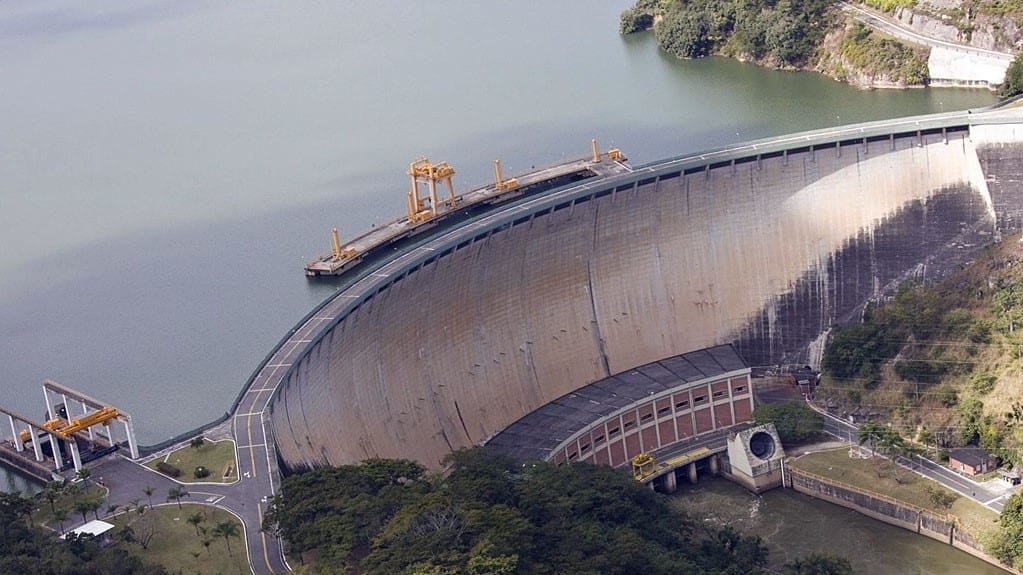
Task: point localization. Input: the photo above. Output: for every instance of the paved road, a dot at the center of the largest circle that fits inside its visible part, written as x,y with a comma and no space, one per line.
989,494
892,27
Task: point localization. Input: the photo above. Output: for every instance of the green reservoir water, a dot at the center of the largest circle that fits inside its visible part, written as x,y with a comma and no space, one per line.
167,167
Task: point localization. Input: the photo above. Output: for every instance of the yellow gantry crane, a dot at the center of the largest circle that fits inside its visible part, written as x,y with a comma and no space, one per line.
423,208
64,429
422,171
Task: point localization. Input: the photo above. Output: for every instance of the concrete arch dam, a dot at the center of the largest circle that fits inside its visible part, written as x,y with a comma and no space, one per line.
763,246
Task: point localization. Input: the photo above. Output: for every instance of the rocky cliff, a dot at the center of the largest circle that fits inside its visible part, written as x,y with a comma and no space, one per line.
985,24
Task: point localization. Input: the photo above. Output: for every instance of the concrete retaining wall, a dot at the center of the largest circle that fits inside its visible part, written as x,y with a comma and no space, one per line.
888,510
951,67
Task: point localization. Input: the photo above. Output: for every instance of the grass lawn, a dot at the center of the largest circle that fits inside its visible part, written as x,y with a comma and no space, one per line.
217,456
878,475
177,547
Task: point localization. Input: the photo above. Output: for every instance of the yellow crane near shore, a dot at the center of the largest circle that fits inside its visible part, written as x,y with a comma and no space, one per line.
64,429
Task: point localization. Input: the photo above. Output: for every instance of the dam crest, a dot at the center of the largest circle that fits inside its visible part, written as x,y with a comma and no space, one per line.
762,246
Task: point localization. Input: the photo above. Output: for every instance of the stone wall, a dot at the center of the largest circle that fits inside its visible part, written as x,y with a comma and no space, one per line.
942,528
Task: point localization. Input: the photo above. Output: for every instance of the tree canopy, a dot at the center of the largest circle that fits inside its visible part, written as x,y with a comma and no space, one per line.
1012,85
781,32
490,515
794,421
1007,543
25,548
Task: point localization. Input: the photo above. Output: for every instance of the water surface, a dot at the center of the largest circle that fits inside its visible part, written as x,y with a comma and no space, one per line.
794,525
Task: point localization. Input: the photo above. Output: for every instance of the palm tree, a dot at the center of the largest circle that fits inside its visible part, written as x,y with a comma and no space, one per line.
892,444
60,515
112,510
149,491
83,473
176,493
197,442
194,520
83,507
226,529
870,432
94,505
52,493
889,442
72,491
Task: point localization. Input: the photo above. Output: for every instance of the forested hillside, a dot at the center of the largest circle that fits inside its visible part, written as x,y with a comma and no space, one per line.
816,35
783,33
942,363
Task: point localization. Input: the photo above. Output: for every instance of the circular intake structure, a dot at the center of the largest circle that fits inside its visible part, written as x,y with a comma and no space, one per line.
762,445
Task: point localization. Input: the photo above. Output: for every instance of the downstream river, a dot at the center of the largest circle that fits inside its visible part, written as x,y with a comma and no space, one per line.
167,167
794,525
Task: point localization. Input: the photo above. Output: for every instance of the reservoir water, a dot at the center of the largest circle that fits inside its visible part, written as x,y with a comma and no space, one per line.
167,167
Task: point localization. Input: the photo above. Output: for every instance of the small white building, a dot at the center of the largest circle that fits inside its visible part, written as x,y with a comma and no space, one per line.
96,528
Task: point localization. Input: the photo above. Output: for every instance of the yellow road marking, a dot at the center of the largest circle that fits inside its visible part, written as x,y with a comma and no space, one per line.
262,537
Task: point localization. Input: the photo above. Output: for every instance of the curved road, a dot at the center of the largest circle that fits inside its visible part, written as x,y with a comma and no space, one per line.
992,495
880,22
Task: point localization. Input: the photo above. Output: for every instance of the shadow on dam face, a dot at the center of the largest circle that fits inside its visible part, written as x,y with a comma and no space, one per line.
764,254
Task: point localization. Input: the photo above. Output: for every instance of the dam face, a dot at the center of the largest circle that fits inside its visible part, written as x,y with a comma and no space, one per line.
764,251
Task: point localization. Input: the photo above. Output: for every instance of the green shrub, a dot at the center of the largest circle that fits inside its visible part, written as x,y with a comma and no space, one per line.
794,421
941,498
201,472
633,20
982,383
168,469
854,395
879,55
856,351
948,396
1013,82
889,5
